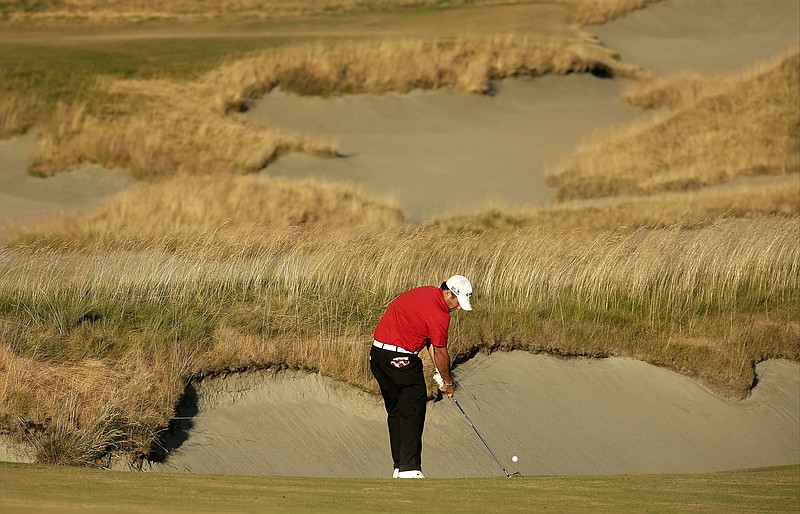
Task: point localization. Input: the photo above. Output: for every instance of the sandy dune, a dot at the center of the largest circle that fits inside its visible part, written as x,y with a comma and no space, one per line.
559,417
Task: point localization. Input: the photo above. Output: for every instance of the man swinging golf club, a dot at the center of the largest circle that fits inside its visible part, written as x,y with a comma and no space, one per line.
415,319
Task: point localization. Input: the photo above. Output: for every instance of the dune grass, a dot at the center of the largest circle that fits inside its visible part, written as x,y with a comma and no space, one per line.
687,209
40,72
718,130
16,114
166,135
468,65
36,487
190,205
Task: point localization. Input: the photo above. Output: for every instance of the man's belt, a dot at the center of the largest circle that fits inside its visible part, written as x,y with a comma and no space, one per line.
392,348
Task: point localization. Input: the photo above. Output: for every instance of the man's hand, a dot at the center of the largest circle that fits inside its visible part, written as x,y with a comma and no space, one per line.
448,389
444,388
441,359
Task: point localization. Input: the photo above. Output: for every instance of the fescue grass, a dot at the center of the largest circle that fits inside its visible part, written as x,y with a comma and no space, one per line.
169,134
44,81
595,12
686,209
721,129
190,205
468,65
15,114
36,487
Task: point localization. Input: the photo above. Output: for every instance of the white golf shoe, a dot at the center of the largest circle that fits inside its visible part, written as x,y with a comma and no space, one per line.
415,473
395,473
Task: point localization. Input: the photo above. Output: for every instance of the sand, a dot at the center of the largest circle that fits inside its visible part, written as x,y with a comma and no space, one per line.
439,153
26,198
559,416
712,37
443,152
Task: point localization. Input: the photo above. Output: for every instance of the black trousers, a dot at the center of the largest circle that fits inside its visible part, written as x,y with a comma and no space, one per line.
405,396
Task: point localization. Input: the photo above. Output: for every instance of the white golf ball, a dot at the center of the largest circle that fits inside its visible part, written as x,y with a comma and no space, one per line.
514,458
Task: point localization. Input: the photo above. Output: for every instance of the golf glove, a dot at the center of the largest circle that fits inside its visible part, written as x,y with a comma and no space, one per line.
437,377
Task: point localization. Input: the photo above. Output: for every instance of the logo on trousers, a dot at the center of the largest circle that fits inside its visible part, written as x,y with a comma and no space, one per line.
399,362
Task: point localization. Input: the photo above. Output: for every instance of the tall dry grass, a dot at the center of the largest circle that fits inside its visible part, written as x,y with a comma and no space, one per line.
16,113
595,12
80,413
721,264
468,65
745,125
186,205
170,133
686,209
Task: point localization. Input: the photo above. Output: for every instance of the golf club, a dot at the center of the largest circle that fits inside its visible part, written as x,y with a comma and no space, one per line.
516,473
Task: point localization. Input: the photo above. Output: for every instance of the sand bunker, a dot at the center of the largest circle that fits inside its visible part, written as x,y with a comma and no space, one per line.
439,153
714,37
559,416
444,152
25,198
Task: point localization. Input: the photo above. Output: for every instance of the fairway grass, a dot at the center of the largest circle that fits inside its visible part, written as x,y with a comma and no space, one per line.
57,489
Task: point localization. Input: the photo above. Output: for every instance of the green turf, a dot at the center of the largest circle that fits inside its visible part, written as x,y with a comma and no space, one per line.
48,488
58,71
48,73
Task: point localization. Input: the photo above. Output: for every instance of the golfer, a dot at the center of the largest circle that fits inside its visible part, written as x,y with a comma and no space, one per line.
415,319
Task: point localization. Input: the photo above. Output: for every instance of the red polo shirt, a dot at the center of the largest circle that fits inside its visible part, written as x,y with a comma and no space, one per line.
413,317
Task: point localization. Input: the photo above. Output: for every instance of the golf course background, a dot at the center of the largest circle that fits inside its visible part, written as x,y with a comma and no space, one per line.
677,242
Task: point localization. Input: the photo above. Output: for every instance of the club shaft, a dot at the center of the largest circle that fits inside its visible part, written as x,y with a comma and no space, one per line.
481,437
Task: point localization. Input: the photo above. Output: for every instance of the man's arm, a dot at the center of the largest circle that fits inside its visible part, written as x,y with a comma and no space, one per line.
430,348
441,359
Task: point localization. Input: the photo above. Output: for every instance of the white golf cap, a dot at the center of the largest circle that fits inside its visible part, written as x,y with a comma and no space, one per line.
459,285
